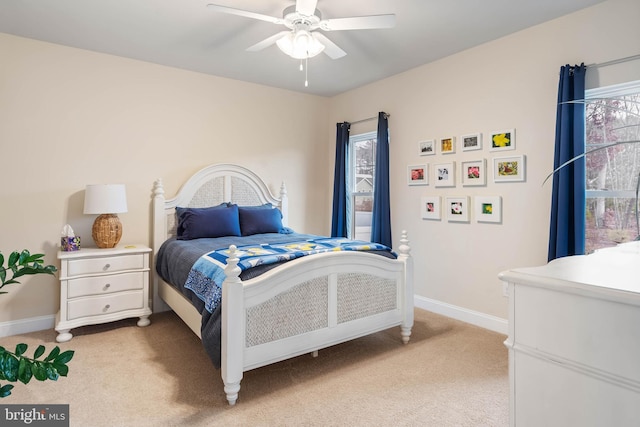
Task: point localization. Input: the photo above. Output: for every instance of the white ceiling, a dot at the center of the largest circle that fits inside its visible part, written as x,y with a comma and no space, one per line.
186,34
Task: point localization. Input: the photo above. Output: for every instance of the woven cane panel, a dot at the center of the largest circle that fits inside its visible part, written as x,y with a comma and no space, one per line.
302,309
172,225
209,194
362,295
243,194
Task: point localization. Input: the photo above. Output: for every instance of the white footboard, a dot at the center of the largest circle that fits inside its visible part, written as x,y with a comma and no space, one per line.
312,303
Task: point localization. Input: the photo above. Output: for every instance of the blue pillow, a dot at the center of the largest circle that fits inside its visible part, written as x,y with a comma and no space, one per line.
216,221
260,219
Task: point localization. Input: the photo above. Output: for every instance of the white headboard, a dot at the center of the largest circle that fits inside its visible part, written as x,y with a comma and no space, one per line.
211,186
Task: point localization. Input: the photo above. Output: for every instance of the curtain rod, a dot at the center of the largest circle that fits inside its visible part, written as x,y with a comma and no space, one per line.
368,119
614,61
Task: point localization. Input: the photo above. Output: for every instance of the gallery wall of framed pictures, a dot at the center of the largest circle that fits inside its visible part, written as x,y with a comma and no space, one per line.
503,165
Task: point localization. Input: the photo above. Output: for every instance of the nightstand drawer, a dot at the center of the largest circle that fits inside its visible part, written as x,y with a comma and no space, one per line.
98,285
103,265
112,303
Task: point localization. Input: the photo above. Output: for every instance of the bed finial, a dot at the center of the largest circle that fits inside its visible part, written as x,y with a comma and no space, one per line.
404,248
231,269
158,189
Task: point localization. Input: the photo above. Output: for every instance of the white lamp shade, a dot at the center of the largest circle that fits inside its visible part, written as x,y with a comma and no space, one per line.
105,199
300,45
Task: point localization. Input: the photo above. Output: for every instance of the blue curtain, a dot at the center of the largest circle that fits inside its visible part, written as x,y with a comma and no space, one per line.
566,234
381,217
339,216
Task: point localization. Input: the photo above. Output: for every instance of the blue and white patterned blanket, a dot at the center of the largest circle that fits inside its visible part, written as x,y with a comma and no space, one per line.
207,273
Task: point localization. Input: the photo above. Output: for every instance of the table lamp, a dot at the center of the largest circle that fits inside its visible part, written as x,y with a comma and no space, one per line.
106,200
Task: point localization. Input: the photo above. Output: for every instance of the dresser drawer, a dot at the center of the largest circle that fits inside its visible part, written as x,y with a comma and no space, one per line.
77,267
98,285
112,303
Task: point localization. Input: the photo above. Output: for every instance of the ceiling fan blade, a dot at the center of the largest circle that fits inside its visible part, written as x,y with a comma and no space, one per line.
330,48
359,23
267,42
306,7
245,13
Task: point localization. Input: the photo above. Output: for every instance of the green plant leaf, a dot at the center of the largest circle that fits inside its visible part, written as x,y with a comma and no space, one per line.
49,269
13,258
24,371
35,258
1,259
62,369
39,352
24,256
52,373
5,390
65,357
10,368
39,371
20,349
53,354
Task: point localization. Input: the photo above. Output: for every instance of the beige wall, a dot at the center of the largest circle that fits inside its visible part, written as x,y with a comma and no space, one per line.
70,117
509,83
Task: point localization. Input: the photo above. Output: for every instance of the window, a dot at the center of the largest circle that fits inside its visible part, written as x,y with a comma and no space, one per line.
612,115
360,184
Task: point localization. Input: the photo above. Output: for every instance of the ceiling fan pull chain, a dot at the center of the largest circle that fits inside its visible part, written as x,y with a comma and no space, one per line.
306,72
301,67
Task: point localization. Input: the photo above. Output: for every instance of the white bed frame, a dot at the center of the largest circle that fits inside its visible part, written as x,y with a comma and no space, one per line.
315,301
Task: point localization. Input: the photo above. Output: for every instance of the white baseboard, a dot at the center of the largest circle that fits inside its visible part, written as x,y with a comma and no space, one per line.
24,326
482,320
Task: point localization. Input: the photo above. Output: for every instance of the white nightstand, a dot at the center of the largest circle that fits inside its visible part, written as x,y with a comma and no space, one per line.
102,285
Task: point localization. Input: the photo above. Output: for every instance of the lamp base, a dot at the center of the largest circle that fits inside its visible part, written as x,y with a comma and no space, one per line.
107,231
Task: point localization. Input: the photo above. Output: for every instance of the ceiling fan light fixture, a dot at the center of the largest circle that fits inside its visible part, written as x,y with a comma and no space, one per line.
300,44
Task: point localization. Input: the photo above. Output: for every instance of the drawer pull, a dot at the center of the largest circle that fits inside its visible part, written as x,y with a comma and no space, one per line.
106,267
106,307
106,287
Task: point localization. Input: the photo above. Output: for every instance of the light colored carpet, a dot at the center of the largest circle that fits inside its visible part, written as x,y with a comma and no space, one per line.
450,374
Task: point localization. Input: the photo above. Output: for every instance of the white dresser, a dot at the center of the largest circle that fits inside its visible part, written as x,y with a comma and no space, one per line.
102,285
574,340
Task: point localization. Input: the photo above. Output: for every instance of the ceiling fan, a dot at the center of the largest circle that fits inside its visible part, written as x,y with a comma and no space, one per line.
302,40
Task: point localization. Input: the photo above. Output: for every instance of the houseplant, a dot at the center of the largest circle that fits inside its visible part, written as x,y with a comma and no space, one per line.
14,365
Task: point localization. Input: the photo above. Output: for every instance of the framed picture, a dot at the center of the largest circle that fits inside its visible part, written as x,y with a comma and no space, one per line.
488,208
509,169
430,207
503,140
448,145
474,172
427,148
444,175
472,142
418,175
457,208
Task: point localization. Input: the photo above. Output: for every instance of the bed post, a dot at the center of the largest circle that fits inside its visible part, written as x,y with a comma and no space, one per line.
159,236
407,308
232,328
284,205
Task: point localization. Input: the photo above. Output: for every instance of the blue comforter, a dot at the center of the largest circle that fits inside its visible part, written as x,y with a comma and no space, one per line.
207,274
